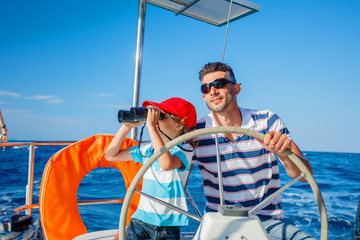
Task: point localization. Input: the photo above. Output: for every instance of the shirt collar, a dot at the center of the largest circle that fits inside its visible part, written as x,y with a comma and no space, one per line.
247,120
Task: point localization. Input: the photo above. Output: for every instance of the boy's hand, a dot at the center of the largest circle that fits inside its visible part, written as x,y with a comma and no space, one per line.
153,116
132,124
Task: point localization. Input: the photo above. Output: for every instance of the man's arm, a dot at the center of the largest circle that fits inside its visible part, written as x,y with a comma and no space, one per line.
277,143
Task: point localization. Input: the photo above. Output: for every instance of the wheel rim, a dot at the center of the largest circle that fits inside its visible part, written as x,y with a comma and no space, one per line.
213,130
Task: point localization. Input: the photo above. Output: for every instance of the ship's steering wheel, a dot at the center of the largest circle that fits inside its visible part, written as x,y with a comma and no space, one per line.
194,134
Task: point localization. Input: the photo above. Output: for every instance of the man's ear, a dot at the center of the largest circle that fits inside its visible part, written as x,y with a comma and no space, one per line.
237,88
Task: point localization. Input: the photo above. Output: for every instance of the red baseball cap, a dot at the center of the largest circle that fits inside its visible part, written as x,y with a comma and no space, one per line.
179,107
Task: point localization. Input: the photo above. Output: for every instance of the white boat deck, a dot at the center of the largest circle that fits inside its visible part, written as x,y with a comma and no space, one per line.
110,234
104,235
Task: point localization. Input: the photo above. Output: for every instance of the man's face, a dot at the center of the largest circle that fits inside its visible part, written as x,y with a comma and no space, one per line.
218,100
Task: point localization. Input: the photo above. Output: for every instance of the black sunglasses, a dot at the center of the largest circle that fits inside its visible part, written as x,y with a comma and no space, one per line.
218,83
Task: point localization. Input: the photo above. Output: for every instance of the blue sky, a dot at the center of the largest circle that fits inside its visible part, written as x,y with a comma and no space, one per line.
67,67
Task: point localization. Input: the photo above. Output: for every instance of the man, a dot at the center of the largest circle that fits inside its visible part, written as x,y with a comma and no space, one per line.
250,168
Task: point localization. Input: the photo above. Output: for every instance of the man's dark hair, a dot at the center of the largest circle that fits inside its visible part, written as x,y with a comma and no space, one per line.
215,67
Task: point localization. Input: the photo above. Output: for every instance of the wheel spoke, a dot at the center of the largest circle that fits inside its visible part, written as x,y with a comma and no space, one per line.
190,215
220,177
272,196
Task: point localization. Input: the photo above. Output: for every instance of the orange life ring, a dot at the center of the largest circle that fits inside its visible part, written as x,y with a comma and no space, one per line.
59,214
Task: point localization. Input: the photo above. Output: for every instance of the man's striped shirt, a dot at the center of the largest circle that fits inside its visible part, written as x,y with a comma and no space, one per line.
250,172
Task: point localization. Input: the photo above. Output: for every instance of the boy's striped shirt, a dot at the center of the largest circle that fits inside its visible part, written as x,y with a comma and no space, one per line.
167,186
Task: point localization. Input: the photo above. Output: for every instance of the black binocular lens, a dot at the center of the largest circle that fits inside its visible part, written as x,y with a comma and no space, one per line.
124,116
138,114
135,114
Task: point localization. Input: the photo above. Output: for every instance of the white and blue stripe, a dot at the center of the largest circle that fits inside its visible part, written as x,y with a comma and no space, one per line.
250,172
167,186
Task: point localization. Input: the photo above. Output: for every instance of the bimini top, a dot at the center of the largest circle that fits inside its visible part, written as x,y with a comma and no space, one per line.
211,11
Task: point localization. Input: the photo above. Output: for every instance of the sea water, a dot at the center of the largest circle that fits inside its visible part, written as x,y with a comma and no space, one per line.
337,175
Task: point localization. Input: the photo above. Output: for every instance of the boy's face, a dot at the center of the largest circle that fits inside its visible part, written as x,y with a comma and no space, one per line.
169,126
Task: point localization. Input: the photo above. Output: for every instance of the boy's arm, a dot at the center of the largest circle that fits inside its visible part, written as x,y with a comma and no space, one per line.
167,161
113,152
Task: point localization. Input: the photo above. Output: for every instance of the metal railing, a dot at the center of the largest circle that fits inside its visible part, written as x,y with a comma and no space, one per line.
30,183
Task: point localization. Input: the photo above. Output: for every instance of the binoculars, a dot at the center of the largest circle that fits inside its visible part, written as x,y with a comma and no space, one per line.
135,114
